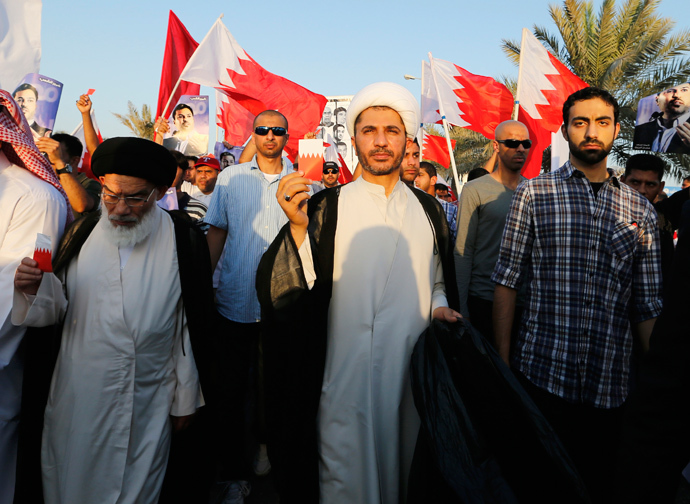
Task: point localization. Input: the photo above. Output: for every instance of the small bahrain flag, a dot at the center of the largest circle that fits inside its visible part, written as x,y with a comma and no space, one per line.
43,253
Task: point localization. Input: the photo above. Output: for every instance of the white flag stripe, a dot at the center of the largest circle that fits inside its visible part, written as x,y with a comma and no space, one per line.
216,54
20,41
442,78
534,74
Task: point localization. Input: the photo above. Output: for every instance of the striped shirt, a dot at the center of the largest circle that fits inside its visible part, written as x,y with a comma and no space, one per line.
244,204
592,264
451,212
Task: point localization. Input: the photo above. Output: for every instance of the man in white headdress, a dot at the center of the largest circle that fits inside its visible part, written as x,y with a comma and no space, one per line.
368,267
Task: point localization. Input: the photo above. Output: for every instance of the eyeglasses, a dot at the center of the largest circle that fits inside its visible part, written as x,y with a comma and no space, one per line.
263,130
130,201
514,144
330,170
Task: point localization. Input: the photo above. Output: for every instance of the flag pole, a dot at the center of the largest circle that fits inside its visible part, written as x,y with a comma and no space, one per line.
458,186
421,119
516,107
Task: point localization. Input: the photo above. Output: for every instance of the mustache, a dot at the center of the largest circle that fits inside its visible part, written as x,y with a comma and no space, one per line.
123,218
381,151
592,142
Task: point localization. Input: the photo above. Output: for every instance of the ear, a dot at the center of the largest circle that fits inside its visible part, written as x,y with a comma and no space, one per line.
432,181
662,185
618,129
564,131
495,144
354,145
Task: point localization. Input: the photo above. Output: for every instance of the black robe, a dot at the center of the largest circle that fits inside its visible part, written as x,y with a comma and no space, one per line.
294,325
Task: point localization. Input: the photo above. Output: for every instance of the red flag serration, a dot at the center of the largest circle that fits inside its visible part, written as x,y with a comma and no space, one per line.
546,84
235,120
485,102
179,47
221,63
435,148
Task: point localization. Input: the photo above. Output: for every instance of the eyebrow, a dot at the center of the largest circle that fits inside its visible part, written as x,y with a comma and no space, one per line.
141,192
583,118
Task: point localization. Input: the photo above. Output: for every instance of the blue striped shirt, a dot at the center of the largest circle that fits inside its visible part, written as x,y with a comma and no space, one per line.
244,204
592,266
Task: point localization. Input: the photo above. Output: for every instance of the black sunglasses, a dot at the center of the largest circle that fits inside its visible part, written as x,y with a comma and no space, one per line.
330,170
514,144
263,130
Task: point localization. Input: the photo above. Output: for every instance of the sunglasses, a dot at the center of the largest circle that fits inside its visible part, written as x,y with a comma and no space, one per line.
263,130
514,144
330,170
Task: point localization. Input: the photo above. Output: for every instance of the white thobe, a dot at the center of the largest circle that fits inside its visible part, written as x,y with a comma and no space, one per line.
28,205
121,370
387,281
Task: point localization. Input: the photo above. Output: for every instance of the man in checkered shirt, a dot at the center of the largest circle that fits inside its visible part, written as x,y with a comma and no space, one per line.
588,248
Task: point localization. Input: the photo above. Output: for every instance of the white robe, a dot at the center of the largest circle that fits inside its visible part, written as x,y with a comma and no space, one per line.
386,283
28,205
121,370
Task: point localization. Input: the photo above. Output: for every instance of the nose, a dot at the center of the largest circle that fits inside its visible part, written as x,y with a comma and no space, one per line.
592,130
380,138
520,148
121,208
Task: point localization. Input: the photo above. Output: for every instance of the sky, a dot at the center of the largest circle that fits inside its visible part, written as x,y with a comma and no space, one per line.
331,48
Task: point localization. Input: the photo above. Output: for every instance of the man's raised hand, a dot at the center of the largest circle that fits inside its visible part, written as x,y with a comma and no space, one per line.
292,194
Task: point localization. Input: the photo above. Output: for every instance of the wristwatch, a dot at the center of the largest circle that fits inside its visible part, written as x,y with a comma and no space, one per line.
66,169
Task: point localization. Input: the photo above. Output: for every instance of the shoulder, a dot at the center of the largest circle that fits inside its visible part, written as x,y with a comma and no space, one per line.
21,183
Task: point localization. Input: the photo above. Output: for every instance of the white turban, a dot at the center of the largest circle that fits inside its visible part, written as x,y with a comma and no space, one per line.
385,94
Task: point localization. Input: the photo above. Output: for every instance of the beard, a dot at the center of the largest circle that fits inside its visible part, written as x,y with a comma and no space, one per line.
122,236
385,169
590,157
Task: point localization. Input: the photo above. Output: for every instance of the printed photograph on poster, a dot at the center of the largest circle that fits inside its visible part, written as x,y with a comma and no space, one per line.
333,129
38,97
663,121
189,126
227,157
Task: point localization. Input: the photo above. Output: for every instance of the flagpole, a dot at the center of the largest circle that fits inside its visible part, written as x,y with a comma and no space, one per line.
458,186
516,108
421,119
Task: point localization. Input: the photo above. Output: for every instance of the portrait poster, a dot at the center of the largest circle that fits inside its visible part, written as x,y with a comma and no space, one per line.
227,156
333,128
189,126
663,121
38,97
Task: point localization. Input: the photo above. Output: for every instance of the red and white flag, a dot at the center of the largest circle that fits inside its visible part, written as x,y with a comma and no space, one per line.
435,148
179,47
221,63
235,120
470,101
20,41
85,162
545,84
332,153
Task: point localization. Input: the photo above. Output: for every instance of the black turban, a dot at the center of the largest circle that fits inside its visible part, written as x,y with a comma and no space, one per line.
136,157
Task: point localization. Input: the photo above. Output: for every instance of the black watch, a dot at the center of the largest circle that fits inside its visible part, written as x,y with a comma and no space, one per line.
66,169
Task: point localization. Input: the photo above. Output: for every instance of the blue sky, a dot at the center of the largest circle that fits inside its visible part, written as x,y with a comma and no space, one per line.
331,47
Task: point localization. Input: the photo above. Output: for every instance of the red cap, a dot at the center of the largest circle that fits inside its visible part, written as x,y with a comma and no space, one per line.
208,161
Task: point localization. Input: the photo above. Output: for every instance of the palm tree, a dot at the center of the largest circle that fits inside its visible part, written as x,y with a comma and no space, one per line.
140,125
629,50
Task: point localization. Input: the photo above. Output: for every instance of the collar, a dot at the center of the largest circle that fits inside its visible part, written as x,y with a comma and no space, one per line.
287,166
568,170
679,120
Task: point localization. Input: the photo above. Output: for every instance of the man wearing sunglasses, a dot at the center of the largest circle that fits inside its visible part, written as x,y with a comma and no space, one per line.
244,218
329,179
587,246
345,290
126,376
483,207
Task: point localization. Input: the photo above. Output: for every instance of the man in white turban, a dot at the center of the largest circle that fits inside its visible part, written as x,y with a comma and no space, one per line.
346,289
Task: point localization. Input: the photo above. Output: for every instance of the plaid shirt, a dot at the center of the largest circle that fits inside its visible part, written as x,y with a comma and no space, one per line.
451,212
593,266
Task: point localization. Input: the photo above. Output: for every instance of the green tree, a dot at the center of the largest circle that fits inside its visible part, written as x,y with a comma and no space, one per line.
629,50
139,124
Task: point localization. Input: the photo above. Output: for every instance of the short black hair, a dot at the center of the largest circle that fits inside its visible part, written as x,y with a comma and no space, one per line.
687,178
340,109
475,173
192,158
180,159
180,107
590,93
428,168
226,153
646,162
440,187
72,144
24,87
336,126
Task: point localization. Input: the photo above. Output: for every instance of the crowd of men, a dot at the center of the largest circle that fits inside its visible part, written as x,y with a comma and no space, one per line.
215,320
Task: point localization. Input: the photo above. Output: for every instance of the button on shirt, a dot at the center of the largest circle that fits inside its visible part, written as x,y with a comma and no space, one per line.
244,204
593,267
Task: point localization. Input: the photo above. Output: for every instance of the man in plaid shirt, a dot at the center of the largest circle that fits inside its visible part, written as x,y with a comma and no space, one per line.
588,248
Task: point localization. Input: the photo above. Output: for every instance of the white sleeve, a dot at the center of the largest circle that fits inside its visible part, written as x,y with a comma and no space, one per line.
438,296
188,397
307,262
47,307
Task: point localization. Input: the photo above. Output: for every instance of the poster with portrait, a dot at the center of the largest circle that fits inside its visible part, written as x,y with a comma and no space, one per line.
38,97
663,121
334,130
189,126
227,156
